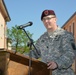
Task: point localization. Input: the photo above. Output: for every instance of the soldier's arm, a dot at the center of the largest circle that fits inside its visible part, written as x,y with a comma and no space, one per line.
66,60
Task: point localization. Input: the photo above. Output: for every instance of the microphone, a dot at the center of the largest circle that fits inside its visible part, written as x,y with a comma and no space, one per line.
25,25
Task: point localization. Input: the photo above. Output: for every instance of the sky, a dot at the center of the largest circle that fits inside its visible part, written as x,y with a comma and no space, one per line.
24,11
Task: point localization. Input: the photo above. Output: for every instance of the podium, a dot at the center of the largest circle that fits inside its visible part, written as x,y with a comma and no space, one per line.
37,67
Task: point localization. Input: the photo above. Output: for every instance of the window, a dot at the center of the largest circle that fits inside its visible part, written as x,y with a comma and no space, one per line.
70,28
73,28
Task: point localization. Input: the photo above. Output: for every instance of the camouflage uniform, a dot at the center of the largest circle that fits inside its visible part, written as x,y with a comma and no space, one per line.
58,47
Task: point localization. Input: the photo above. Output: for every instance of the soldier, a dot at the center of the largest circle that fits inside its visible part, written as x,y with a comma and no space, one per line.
55,47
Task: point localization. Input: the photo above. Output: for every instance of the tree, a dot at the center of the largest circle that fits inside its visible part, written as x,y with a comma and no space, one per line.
19,39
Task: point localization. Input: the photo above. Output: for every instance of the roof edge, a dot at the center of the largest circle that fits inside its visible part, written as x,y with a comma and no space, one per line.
68,20
8,19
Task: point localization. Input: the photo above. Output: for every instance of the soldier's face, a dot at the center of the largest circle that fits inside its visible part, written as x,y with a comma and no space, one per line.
49,22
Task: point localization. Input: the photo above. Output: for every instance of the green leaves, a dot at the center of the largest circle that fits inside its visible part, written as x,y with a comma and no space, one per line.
18,39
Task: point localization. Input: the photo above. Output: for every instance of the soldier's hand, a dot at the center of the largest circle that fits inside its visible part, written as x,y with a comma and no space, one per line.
52,65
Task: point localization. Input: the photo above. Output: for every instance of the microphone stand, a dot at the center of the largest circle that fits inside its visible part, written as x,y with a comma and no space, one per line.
30,55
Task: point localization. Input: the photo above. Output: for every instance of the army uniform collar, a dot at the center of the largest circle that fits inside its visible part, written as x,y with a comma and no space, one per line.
55,33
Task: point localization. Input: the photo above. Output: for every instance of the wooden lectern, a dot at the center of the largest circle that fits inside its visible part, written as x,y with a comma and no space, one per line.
37,67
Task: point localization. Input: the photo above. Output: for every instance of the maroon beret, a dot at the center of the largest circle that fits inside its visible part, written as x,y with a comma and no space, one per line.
46,13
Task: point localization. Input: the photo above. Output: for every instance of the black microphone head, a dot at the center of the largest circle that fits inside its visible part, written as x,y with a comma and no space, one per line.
30,23
25,25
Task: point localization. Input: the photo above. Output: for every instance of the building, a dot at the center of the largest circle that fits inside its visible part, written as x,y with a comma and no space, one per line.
70,25
4,18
